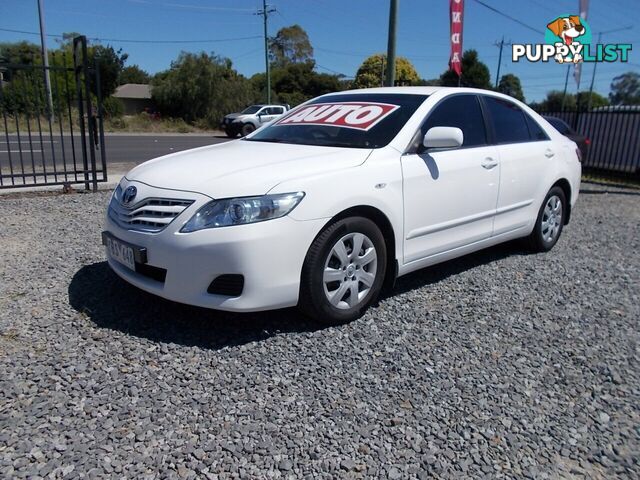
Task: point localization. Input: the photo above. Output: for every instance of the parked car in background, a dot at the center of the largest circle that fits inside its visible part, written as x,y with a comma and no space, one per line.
337,198
250,119
564,128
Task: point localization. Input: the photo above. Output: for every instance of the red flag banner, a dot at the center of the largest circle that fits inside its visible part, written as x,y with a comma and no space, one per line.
456,14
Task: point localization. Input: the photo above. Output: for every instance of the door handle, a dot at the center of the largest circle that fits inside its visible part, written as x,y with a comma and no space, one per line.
549,153
489,163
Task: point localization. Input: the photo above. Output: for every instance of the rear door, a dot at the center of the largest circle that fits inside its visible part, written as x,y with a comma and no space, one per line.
450,195
524,150
270,113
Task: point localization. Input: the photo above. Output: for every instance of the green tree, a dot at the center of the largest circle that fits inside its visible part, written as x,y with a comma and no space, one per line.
25,53
290,45
24,90
201,88
474,73
430,82
553,101
597,100
296,83
111,62
373,71
625,89
510,85
133,74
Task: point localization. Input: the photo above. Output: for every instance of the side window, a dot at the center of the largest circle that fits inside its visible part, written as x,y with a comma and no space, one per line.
559,125
509,122
277,110
536,131
463,112
263,111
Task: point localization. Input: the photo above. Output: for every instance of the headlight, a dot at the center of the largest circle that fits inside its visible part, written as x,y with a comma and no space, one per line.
117,193
243,210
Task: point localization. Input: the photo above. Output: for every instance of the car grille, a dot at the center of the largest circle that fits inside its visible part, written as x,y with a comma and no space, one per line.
149,215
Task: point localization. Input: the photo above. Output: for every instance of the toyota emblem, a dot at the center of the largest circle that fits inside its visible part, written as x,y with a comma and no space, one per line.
129,194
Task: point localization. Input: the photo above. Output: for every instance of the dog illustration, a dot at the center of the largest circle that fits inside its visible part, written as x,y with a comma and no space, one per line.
568,29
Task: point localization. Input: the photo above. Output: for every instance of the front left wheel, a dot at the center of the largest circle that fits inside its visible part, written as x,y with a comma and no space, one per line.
344,271
246,129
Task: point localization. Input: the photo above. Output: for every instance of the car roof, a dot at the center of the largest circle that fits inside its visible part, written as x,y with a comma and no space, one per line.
423,91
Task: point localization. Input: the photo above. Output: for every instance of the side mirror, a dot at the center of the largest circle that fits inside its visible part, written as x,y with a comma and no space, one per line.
443,137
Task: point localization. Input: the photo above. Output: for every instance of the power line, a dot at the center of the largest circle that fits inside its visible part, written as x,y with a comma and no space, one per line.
505,15
333,71
122,40
194,7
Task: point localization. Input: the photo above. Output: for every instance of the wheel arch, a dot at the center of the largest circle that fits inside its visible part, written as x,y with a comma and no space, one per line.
564,184
378,217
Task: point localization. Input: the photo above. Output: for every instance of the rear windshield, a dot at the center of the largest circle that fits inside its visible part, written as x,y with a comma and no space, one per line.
559,125
360,120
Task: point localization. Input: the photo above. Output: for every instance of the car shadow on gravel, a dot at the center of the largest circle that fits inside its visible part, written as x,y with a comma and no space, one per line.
441,271
110,302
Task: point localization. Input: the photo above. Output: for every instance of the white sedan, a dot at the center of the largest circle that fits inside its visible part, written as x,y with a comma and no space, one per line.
339,197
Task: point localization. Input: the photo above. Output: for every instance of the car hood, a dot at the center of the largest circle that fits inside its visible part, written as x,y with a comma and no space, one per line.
231,116
242,168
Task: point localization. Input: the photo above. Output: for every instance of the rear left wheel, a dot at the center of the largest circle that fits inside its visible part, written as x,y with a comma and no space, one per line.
343,271
550,221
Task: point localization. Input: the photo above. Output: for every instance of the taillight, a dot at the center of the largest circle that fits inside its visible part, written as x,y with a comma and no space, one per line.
587,141
579,155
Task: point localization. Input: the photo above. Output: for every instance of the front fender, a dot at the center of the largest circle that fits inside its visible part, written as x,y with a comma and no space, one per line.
376,183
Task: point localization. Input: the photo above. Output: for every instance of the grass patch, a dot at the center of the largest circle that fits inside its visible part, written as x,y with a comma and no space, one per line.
140,123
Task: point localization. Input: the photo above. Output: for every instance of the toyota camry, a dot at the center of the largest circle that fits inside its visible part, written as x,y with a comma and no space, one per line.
324,206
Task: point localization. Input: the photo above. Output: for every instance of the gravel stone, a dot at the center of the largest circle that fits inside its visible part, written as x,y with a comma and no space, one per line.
500,364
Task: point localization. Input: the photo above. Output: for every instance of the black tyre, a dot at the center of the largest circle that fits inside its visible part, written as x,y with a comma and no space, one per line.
231,133
550,221
247,128
343,271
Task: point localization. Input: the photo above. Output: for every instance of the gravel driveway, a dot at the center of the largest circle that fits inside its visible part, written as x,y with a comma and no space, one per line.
499,364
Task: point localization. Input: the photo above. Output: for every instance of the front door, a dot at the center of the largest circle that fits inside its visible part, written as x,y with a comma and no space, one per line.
450,196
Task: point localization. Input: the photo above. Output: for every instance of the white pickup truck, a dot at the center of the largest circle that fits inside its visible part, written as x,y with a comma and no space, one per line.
250,118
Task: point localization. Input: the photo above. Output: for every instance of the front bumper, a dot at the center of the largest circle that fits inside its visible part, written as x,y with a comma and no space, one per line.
268,254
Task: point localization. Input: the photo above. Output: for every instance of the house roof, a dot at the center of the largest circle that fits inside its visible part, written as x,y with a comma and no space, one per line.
133,90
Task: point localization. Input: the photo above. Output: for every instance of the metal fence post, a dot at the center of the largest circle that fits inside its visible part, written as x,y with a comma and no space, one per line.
103,155
78,70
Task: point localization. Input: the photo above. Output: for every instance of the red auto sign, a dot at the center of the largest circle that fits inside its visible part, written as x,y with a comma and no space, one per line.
456,13
357,115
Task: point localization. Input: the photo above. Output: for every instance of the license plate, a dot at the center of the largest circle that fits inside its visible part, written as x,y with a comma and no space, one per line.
120,252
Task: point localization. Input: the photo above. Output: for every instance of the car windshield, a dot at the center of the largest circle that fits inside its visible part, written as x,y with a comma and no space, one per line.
362,120
251,109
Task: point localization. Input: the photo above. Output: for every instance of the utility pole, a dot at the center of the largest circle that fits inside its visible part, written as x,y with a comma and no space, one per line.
593,76
266,10
500,44
566,82
45,60
391,44
595,64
